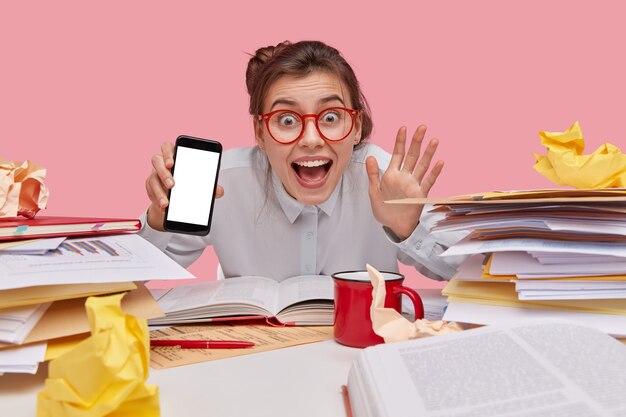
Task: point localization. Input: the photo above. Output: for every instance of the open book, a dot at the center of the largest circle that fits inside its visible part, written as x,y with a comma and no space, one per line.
537,368
301,300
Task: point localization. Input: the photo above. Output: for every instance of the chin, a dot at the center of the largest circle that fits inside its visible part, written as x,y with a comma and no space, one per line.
313,201
311,196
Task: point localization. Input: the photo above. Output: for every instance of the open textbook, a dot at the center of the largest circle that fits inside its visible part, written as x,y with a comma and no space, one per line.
301,300
532,369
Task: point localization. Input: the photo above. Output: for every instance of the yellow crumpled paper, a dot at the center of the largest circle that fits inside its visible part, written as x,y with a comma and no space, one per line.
391,325
22,191
565,164
105,374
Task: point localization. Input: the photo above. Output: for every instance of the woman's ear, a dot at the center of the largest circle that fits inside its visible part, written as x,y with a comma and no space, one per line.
358,124
258,133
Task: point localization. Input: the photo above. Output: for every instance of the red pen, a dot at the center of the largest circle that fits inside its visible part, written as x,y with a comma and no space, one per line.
202,344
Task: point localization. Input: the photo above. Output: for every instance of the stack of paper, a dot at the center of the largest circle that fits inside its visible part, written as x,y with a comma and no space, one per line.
541,252
45,283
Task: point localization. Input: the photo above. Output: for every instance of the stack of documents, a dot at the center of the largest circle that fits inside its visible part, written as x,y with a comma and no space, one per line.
541,252
45,283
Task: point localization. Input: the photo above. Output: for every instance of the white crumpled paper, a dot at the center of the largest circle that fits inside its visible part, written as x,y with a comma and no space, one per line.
391,325
22,190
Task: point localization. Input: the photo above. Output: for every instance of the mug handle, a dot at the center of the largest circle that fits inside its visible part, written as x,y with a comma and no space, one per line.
414,297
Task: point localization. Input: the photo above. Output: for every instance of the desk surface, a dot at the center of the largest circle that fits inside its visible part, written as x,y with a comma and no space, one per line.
302,380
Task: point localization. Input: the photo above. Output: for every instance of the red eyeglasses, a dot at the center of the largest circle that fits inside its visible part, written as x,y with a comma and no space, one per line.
334,124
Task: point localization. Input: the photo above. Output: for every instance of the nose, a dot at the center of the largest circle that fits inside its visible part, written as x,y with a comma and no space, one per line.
310,136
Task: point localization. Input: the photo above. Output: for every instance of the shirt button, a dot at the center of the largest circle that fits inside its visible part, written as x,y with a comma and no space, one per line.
418,244
309,235
308,267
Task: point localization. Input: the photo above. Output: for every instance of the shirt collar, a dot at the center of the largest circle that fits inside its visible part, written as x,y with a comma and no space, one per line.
292,207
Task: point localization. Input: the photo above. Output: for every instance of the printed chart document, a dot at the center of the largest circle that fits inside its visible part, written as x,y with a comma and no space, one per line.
116,258
536,368
301,300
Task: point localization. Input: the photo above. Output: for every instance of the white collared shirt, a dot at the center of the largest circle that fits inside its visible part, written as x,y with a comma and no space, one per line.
259,229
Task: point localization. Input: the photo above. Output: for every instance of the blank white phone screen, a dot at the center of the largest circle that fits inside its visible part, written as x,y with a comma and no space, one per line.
194,180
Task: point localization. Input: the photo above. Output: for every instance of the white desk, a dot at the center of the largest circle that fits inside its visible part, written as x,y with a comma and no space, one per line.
298,381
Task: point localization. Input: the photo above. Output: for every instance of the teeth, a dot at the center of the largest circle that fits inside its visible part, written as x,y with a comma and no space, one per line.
311,164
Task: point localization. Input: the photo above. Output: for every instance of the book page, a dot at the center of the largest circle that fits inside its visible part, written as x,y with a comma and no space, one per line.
551,368
305,287
227,296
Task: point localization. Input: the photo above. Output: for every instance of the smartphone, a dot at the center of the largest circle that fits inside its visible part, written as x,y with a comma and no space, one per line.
195,172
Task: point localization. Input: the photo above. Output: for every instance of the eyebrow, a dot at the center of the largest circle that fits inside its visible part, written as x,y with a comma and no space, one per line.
323,100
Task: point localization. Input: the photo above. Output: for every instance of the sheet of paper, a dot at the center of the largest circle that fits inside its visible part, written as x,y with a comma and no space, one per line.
548,284
571,295
517,263
501,315
472,270
469,247
567,258
34,247
17,322
490,223
23,359
615,227
619,195
264,336
115,258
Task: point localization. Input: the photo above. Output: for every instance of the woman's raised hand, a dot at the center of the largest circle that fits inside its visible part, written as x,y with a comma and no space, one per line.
159,182
407,176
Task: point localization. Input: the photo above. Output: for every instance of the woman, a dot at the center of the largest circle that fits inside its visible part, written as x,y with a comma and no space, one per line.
308,198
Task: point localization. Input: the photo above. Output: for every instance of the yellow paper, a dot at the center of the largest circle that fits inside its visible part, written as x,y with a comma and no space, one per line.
105,374
62,345
22,191
565,164
391,325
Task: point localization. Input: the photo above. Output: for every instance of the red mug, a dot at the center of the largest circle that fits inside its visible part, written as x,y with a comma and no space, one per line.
353,299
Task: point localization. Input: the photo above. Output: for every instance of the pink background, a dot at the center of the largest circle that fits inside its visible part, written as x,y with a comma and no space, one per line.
91,90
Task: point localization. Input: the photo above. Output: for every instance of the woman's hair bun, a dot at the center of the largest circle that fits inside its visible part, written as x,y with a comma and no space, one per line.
260,58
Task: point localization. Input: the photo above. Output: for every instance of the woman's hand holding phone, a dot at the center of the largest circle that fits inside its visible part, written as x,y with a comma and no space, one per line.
158,184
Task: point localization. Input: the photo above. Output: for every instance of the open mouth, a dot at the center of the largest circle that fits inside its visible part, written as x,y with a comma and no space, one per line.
312,173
